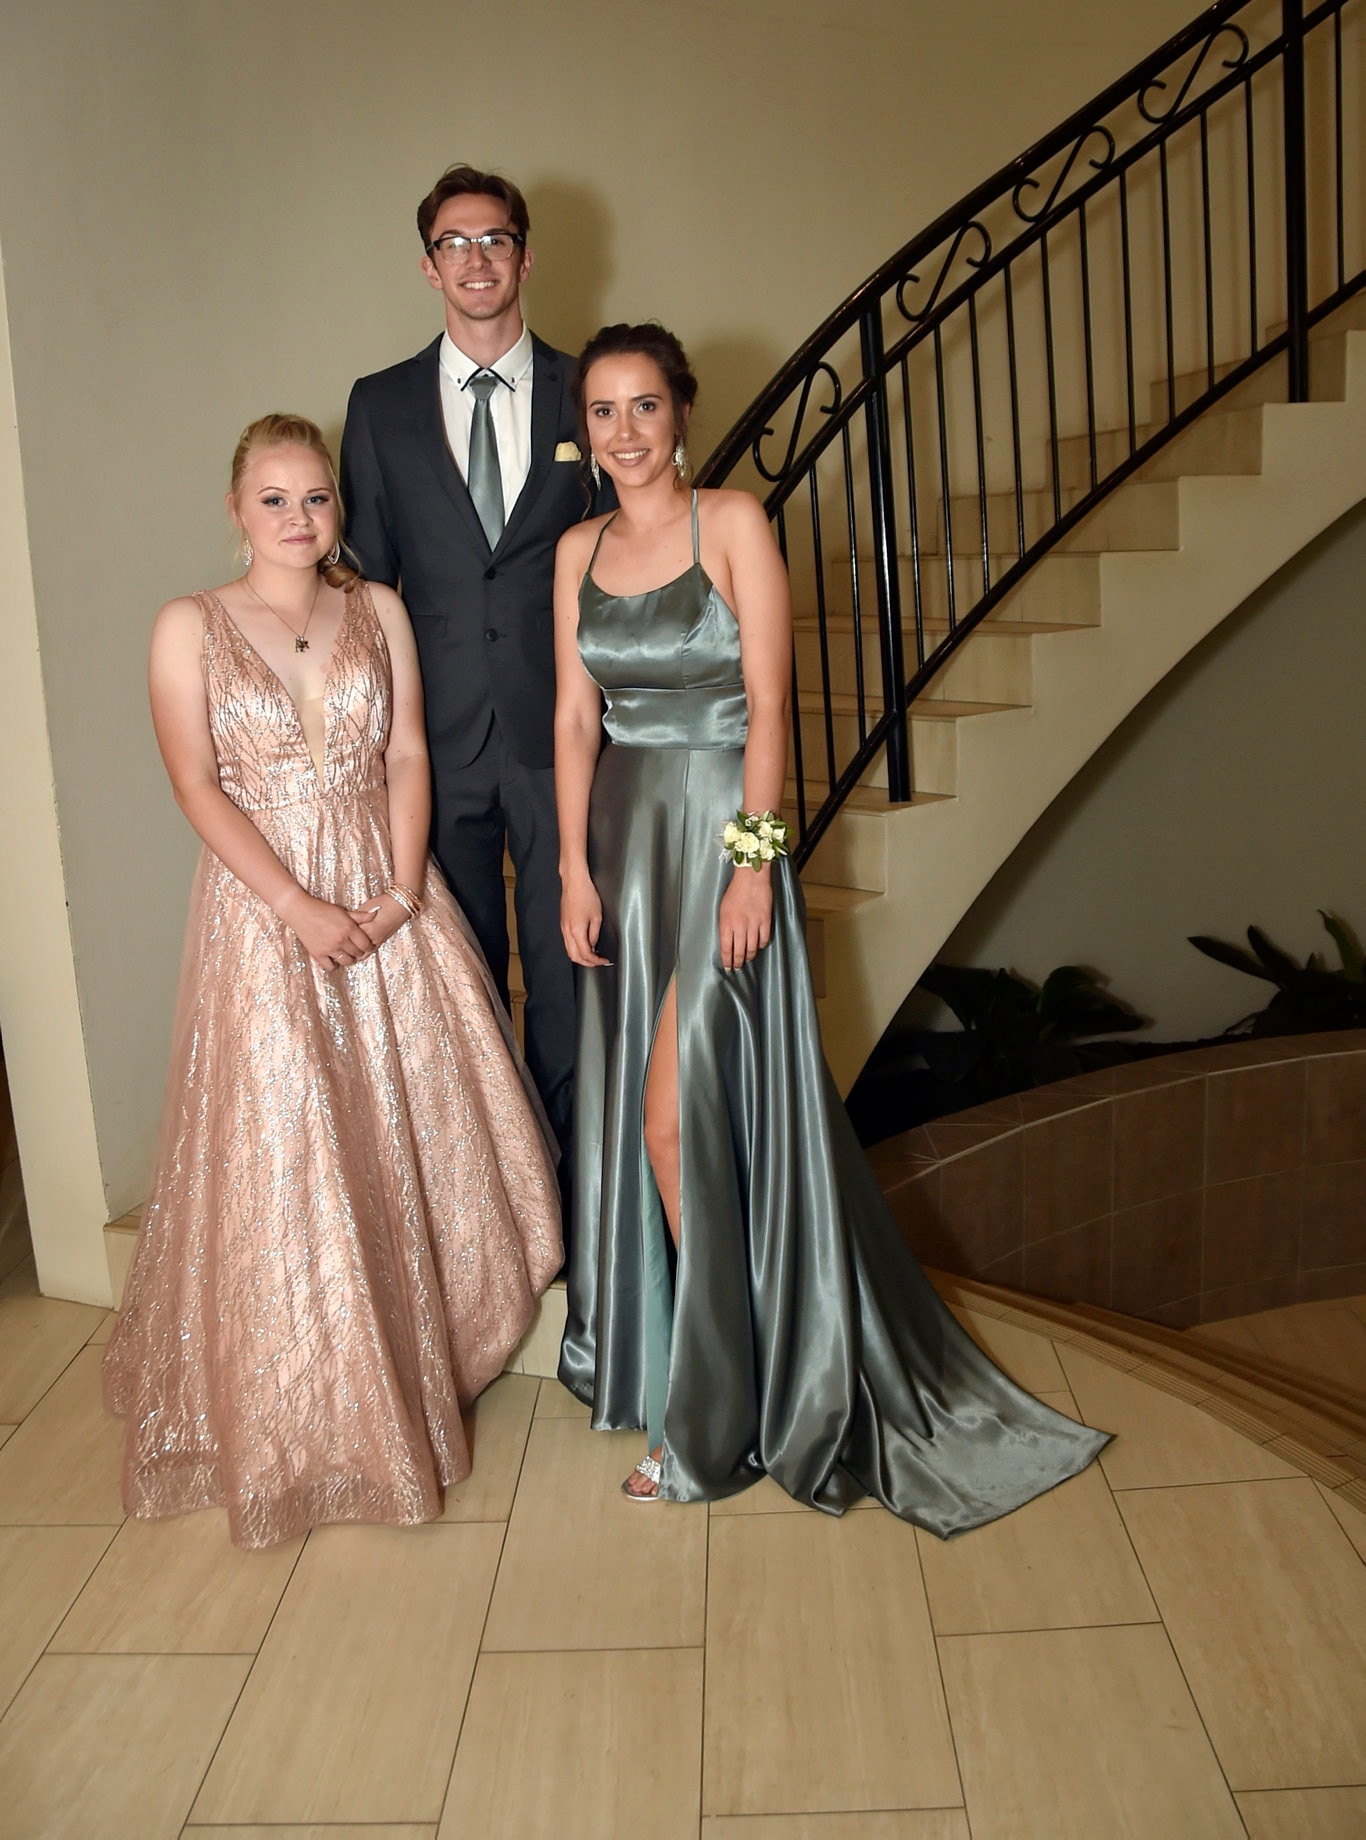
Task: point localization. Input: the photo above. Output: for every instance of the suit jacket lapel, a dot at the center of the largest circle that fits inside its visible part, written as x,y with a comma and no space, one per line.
431,432
547,394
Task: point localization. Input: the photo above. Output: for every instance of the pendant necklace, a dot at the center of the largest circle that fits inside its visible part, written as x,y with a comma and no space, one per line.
300,638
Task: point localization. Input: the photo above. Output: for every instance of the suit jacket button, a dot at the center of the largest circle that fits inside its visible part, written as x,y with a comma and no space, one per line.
490,574
490,633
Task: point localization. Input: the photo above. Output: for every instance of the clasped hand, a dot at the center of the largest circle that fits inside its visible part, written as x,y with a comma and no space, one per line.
336,938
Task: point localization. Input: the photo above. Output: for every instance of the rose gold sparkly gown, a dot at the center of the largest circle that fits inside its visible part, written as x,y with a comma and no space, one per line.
355,1206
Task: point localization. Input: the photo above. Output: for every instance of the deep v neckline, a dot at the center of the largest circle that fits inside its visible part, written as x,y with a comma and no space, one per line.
280,685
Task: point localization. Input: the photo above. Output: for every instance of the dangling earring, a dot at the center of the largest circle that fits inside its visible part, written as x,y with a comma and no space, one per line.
681,460
248,553
333,556
595,470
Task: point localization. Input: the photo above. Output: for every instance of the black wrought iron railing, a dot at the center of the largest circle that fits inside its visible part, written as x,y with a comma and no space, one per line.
980,394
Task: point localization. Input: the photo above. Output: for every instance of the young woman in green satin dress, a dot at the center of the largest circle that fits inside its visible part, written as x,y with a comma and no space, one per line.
791,1333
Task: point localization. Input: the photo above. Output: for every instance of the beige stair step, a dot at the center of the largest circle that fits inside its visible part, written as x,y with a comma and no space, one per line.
1180,1349
932,738
843,625
1063,588
867,800
1280,1373
1221,442
1141,514
120,1238
823,899
927,709
1327,373
987,667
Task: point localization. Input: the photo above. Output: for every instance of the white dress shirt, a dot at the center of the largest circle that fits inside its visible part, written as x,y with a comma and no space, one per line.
510,406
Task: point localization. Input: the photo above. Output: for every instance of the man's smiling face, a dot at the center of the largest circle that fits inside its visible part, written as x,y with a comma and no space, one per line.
475,288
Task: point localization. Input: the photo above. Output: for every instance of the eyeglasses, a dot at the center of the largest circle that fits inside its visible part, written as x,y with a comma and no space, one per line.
497,245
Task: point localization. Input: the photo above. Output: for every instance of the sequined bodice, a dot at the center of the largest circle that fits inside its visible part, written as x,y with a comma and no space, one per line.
263,756
667,661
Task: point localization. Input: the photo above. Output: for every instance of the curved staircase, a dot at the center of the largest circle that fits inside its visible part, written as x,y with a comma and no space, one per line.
1035,689
1042,452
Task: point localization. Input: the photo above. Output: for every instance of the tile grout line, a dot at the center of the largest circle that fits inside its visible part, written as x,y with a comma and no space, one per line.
1048,1629
856,1814
116,1528
1212,1482
56,1381
6,1706
1162,1624
479,1650
202,1827
939,1670
706,1630
246,1681
1199,1713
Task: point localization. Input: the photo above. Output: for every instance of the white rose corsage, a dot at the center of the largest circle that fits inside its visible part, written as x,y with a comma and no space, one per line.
753,838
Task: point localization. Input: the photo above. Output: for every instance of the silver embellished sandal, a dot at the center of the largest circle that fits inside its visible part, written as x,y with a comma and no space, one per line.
651,1469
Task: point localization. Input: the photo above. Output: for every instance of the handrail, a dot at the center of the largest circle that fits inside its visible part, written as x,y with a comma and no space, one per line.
913,414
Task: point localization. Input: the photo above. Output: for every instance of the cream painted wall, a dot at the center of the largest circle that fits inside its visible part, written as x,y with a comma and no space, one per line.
40,1016
206,211
1234,794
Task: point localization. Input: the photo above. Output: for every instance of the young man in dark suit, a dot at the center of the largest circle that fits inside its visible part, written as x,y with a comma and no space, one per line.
460,471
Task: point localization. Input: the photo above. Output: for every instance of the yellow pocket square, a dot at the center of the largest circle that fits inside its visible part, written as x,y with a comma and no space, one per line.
568,450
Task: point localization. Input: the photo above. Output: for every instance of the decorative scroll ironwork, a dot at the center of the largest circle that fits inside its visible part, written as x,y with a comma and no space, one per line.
1158,116
1064,173
902,487
794,440
916,314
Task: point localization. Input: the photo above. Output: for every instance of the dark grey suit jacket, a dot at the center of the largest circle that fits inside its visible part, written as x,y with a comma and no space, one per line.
482,617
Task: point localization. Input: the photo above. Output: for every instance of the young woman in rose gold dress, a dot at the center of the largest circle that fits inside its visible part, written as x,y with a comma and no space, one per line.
355,1205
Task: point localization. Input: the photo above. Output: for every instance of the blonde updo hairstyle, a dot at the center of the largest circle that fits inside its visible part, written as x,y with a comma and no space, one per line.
292,431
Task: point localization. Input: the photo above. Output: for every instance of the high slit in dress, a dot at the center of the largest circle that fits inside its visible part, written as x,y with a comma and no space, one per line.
797,1337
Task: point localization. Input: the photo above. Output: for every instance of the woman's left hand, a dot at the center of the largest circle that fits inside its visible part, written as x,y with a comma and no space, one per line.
746,916
382,919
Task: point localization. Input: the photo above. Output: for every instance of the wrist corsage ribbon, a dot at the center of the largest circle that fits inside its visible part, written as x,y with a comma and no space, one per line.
753,838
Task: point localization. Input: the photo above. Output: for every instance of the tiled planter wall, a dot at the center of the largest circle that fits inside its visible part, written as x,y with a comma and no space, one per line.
1185,1189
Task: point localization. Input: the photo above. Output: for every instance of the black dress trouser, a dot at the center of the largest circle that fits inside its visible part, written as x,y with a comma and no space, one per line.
475,810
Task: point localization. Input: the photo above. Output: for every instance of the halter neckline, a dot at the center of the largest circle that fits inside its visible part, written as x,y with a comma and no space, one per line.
641,593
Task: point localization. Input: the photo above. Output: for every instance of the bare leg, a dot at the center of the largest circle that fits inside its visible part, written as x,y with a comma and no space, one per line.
662,1148
661,1111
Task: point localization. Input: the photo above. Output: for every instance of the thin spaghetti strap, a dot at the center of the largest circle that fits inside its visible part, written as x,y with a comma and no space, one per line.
696,544
598,545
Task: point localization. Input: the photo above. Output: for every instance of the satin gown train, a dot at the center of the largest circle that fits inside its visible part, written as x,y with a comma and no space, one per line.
355,1205
797,1337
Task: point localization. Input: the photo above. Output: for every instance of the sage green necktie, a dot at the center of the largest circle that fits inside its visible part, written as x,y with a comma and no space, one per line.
485,478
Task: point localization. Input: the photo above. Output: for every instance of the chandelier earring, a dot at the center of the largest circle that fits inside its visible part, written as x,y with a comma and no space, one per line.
681,459
333,556
248,553
595,470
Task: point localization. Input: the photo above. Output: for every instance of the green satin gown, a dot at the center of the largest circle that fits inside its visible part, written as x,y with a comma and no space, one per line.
796,1336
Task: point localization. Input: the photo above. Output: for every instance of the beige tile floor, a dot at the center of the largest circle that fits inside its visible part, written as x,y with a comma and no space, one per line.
1169,1647
1326,1341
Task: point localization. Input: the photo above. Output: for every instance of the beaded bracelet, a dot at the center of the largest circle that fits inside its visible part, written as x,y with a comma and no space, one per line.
753,838
407,900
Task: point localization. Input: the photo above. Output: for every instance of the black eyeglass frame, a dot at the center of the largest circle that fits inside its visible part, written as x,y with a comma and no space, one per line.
516,237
